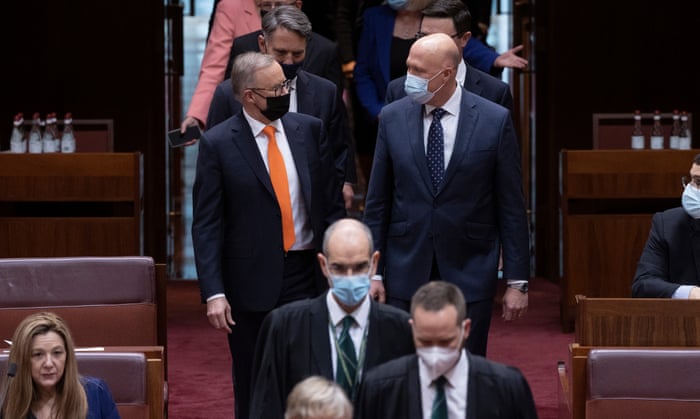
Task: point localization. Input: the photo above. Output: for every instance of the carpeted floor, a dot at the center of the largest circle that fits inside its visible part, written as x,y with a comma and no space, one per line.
199,364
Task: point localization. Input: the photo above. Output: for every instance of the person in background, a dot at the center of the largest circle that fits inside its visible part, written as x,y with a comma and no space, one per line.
232,18
309,337
317,397
668,266
443,380
264,192
446,192
452,18
286,35
47,383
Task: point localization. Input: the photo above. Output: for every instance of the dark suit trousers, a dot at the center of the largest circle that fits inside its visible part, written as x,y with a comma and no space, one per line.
478,311
299,282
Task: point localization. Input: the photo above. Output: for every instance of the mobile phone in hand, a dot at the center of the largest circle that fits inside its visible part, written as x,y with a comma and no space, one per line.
178,140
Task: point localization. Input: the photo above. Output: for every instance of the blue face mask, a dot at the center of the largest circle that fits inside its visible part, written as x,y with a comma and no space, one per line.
691,200
350,290
417,88
397,4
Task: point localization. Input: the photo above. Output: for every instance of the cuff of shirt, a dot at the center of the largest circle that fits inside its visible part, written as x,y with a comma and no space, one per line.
682,292
219,295
376,278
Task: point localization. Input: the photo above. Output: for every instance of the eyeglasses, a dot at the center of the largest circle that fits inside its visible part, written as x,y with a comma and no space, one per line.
420,34
278,90
693,180
269,5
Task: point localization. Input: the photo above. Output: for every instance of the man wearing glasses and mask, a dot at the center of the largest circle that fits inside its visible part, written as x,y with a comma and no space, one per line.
286,35
263,195
338,335
668,266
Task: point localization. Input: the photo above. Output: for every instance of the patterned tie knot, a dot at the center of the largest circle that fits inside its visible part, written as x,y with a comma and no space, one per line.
438,113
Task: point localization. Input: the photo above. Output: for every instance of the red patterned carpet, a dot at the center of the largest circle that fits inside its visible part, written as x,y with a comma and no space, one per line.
199,365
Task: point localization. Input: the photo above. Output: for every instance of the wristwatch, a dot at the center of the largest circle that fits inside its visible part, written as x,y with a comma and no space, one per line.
520,286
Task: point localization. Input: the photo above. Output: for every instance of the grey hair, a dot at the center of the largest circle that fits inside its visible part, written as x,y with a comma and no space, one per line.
288,17
244,68
317,397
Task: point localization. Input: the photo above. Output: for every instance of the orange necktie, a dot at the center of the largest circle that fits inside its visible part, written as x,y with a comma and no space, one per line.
278,176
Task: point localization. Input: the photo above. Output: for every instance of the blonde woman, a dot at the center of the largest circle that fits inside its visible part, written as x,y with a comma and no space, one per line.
47,384
317,397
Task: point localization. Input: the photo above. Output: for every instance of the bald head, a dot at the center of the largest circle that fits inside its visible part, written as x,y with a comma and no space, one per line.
435,58
439,48
347,232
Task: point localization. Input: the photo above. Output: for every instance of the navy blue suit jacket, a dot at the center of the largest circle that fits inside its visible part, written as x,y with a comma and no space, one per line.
479,207
317,97
671,256
476,81
294,343
494,391
237,223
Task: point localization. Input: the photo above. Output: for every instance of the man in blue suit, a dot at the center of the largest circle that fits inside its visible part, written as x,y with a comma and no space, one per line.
286,34
248,261
452,17
445,196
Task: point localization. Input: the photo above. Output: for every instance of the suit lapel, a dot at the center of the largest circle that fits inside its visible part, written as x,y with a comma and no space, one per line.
243,138
373,338
414,122
465,130
320,344
695,243
472,81
305,101
480,390
416,408
296,140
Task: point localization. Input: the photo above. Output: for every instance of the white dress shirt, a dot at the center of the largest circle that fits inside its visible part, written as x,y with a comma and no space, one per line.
357,331
449,123
455,388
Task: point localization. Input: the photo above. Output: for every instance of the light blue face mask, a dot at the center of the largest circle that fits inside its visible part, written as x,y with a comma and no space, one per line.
397,4
350,290
691,200
417,88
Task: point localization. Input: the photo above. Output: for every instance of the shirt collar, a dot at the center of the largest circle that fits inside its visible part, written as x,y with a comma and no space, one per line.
452,104
336,313
256,126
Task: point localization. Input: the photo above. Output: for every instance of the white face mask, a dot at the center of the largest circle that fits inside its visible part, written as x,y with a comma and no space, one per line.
417,88
691,200
439,359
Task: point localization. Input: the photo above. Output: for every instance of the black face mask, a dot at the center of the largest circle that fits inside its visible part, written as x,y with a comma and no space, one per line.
277,106
291,70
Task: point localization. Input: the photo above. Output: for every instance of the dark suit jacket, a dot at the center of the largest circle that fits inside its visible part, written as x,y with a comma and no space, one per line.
671,256
495,391
294,343
476,81
237,225
317,97
321,56
479,207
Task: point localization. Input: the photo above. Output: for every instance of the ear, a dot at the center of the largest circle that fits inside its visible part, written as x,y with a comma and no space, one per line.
323,263
465,38
467,324
261,44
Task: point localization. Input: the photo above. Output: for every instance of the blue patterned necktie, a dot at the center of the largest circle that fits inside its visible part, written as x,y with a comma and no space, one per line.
439,409
346,368
436,149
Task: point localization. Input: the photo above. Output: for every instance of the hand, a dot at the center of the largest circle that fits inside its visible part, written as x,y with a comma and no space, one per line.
514,304
188,122
376,291
219,314
348,195
348,69
510,60
694,294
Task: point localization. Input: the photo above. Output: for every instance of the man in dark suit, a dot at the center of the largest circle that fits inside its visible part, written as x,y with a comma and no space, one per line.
668,266
285,32
452,18
256,230
321,56
442,379
446,195
302,338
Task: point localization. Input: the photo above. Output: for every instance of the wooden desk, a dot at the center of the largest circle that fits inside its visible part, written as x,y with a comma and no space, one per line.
79,204
608,198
